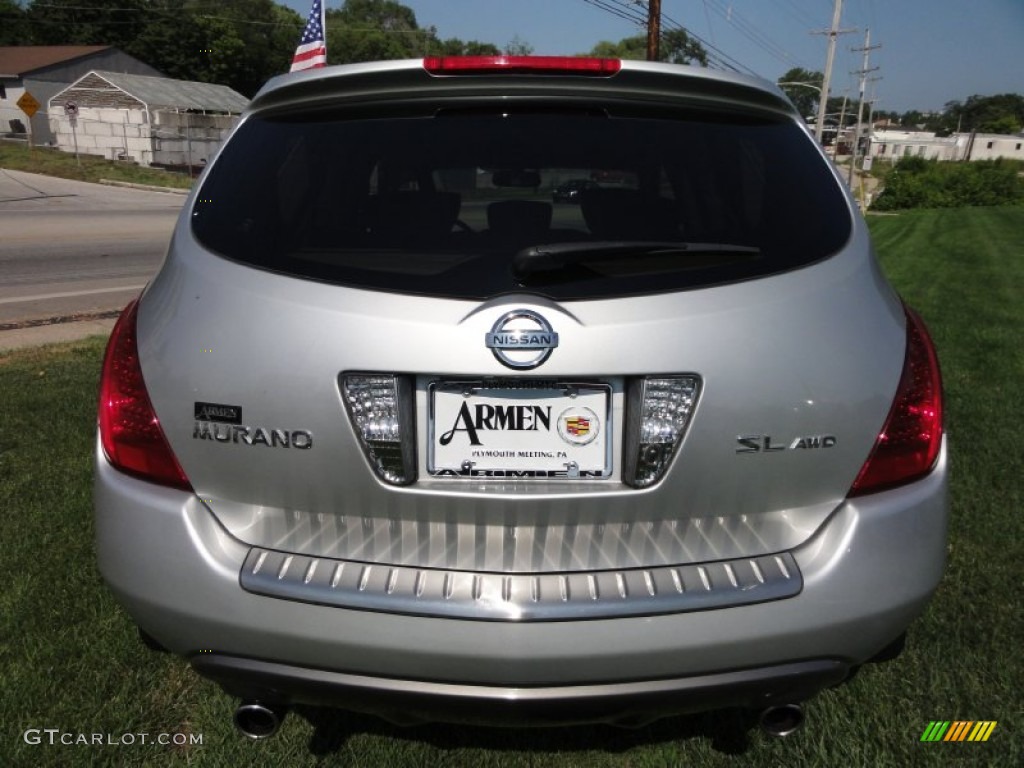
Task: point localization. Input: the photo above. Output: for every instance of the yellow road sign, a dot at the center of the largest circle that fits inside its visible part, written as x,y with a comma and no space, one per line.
28,104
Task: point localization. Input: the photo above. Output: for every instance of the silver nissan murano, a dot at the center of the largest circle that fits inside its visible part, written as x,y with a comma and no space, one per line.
393,431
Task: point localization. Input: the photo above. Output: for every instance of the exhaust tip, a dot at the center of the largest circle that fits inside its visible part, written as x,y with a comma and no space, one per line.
256,720
782,720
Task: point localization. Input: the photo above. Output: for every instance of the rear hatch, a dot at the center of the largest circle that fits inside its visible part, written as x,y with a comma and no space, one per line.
379,338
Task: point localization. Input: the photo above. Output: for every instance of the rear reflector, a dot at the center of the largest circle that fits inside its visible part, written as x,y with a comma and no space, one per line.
659,410
540,65
908,445
130,432
380,407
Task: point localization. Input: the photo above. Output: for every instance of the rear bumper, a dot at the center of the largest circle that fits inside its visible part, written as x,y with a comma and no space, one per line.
410,702
867,573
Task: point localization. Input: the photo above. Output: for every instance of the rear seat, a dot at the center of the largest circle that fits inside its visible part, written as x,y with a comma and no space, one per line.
625,214
401,218
519,220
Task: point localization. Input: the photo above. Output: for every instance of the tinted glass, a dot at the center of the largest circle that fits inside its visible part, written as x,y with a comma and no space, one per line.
441,204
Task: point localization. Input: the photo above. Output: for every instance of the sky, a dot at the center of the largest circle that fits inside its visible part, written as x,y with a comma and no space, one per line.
932,51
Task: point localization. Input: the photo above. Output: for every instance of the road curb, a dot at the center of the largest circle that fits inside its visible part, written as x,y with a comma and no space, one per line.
146,187
39,335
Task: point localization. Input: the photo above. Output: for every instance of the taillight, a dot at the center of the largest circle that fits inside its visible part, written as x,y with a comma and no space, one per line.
659,410
908,445
129,429
544,65
381,409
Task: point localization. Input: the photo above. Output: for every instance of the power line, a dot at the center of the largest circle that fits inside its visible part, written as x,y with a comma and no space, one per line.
166,12
631,12
806,19
707,17
749,30
716,54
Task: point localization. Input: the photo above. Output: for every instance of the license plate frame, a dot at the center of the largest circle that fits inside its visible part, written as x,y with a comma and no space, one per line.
520,429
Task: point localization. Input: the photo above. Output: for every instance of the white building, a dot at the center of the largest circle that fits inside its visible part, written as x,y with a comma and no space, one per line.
989,146
893,145
43,70
148,120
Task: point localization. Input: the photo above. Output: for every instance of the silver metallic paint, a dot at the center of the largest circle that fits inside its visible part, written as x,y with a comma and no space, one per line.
176,570
766,364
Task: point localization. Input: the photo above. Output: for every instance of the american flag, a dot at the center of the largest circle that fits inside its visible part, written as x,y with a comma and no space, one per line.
312,50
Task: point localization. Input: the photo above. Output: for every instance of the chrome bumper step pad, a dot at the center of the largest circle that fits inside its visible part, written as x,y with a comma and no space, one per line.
520,596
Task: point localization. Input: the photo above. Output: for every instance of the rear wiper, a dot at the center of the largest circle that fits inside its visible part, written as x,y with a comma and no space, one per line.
554,256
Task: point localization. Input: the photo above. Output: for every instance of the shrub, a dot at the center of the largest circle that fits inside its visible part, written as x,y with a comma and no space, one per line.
919,183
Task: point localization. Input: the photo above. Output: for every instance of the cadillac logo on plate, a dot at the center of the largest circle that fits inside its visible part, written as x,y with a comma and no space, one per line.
578,426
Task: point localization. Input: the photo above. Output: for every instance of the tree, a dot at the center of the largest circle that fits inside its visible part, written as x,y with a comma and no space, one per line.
803,88
518,47
383,15
912,119
453,46
374,30
1007,124
835,107
248,41
883,116
1003,113
99,22
627,48
241,44
676,47
14,26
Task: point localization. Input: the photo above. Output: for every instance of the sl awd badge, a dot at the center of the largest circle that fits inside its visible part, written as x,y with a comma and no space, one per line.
521,339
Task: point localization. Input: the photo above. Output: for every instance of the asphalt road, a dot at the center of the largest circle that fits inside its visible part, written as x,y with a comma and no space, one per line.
72,249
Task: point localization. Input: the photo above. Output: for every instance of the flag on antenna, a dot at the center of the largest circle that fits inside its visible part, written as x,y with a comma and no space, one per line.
312,50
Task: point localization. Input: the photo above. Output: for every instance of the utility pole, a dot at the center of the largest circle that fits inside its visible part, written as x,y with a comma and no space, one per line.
832,33
839,130
868,47
871,103
653,29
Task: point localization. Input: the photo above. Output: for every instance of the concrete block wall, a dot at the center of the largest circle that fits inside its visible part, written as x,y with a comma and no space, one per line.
181,137
103,132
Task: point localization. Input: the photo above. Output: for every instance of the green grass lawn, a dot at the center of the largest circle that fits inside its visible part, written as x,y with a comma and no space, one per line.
53,162
70,659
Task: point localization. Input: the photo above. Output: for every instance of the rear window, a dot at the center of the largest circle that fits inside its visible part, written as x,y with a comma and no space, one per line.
447,204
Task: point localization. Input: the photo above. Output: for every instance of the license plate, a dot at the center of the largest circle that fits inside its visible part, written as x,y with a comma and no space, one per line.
520,430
